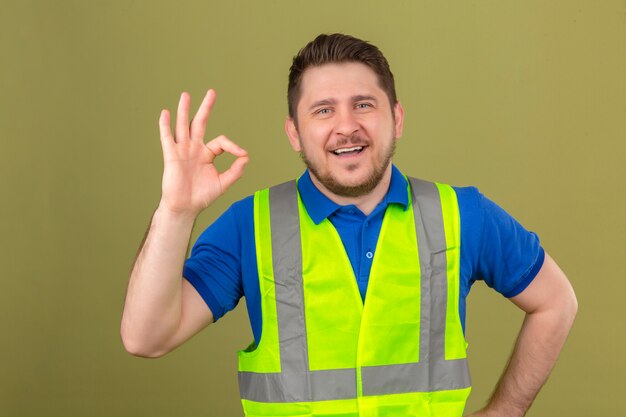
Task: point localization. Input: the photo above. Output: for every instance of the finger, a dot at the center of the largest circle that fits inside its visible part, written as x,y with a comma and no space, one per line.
198,123
232,174
222,144
165,130
182,117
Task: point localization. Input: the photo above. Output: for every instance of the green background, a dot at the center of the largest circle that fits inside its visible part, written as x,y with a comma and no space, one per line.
524,99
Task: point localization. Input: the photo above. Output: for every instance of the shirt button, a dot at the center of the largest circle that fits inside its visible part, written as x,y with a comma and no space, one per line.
369,255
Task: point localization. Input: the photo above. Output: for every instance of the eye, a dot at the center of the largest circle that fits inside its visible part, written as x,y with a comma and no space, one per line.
323,111
363,105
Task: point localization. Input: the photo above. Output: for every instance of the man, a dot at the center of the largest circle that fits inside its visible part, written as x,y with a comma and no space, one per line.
355,276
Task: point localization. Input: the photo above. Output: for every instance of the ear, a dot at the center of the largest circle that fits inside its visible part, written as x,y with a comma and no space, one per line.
292,134
398,119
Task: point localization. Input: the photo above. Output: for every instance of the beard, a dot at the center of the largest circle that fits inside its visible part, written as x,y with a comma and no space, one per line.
336,187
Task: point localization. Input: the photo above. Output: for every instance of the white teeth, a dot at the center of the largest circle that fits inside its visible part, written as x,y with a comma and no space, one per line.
344,150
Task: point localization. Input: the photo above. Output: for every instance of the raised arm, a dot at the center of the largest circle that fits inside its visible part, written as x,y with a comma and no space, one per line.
162,309
550,305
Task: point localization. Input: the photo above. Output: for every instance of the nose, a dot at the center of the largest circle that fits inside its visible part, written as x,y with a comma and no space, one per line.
346,123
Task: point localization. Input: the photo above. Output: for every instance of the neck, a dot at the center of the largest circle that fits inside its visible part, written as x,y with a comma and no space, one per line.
366,203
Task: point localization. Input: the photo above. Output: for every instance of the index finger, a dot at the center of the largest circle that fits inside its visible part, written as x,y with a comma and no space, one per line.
222,144
198,124
167,140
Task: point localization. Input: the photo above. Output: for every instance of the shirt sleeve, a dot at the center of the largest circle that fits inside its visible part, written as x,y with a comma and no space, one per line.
505,255
214,267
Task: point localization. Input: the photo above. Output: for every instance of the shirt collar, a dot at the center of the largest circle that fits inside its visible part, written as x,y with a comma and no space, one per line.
320,207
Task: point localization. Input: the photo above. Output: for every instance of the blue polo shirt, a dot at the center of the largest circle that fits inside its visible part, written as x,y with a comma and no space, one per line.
495,248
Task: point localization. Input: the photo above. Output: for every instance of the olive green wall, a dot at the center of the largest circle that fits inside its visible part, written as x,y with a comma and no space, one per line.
525,99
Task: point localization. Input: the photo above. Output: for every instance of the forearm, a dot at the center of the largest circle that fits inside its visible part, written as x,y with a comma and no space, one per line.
538,346
152,310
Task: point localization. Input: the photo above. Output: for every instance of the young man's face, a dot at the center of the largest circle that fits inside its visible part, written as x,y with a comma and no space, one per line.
346,130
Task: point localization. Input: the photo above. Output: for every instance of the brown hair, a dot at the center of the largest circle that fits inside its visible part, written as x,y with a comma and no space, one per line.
338,48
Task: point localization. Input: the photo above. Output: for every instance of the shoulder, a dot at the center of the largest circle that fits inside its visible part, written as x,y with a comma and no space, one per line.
469,195
472,207
242,208
469,198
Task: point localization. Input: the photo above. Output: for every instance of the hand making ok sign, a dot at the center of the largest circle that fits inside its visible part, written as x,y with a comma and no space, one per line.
191,182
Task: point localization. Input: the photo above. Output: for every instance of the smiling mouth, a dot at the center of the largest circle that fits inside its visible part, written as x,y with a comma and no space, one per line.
349,151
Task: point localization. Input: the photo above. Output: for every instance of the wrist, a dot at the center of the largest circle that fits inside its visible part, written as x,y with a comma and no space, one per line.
169,214
493,410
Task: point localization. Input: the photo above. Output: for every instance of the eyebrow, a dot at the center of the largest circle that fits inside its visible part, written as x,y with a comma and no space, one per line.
364,98
330,101
324,102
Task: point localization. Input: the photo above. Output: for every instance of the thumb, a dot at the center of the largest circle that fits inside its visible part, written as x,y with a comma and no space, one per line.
232,174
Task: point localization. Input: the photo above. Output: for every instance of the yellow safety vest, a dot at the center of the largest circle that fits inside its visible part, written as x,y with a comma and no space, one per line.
323,352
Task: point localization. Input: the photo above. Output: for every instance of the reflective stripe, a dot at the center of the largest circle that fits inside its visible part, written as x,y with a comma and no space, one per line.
287,262
437,250
436,375
287,387
296,383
